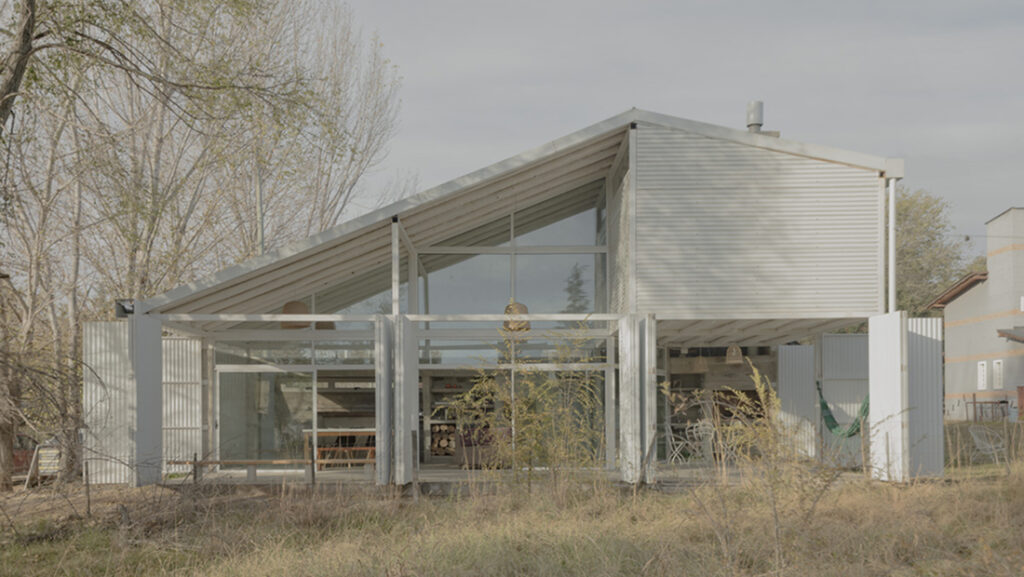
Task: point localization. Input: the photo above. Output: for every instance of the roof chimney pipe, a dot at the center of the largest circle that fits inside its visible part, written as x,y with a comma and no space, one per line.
755,115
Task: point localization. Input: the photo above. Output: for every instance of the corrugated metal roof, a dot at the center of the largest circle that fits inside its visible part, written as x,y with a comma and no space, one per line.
357,250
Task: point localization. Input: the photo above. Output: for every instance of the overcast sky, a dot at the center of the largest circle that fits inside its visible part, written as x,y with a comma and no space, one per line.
938,83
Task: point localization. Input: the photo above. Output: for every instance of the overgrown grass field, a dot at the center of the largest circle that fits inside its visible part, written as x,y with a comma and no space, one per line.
971,526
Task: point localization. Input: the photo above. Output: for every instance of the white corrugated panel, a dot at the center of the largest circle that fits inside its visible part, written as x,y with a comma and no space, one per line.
727,230
797,396
182,401
888,430
924,397
108,401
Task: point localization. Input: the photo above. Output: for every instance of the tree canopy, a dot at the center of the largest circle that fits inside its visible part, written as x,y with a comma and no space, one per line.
930,255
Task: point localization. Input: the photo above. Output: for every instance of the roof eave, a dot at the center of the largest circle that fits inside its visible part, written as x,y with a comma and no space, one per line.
497,170
960,287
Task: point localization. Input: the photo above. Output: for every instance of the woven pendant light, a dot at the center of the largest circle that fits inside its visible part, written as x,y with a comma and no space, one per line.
734,355
514,326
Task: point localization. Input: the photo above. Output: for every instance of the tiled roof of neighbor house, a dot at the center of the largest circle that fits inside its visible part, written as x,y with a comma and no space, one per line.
963,285
1014,334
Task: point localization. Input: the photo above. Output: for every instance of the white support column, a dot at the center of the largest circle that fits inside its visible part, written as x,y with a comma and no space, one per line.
406,399
147,366
887,346
610,407
649,392
414,283
630,425
892,245
396,269
383,351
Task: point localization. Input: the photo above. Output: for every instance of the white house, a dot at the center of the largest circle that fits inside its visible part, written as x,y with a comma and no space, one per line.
681,235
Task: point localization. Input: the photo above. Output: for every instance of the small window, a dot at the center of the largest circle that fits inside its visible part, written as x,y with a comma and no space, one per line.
982,375
997,374
1022,304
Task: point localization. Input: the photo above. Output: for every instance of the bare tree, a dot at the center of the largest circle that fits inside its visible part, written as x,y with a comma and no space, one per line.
131,158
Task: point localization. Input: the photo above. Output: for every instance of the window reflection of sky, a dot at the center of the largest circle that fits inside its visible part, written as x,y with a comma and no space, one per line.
481,284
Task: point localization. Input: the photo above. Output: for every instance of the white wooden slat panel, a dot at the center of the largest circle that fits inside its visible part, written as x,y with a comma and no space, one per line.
182,401
728,228
108,402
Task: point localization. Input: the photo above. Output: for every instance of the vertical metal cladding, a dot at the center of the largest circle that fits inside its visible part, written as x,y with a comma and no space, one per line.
182,401
924,396
108,402
797,396
844,384
729,230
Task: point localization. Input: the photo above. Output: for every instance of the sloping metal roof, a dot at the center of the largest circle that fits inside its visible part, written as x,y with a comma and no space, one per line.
360,248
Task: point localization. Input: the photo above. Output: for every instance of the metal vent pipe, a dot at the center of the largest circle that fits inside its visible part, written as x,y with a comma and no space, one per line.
755,115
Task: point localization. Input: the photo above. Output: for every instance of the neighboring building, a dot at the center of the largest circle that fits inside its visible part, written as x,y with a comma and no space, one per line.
984,318
663,235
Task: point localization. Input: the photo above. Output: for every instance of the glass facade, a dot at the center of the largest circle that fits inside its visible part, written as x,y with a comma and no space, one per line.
273,391
265,416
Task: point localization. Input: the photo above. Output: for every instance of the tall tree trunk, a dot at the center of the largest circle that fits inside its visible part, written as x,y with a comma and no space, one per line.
16,62
9,395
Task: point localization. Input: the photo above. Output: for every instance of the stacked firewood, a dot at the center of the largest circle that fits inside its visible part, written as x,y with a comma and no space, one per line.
442,440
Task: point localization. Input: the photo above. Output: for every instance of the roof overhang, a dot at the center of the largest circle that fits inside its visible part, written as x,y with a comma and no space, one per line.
363,245
1015,334
952,293
746,332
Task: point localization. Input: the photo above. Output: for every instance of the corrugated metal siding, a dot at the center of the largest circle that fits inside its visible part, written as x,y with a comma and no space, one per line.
924,396
888,353
108,401
733,231
844,384
182,400
797,396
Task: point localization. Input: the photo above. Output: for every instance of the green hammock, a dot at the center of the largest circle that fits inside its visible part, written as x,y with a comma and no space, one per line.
833,425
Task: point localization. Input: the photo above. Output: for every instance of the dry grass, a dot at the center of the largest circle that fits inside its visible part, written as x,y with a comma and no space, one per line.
972,527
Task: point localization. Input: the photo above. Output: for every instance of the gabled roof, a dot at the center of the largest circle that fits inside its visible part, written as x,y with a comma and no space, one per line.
578,163
963,285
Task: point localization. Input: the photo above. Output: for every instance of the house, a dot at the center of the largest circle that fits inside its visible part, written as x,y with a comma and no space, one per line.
984,319
661,235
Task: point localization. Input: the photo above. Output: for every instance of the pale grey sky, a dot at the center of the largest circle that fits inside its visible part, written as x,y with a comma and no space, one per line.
937,83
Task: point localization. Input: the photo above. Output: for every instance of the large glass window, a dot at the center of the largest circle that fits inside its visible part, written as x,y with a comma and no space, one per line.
577,229
469,285
560,283
265,416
